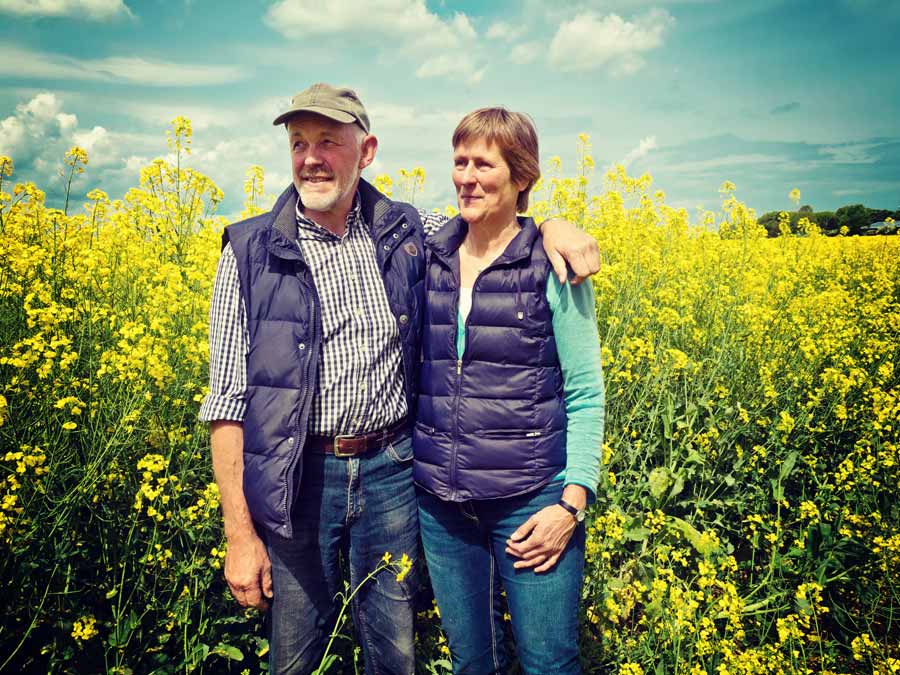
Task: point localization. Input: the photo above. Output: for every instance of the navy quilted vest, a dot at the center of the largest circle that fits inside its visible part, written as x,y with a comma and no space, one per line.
492,424
284,322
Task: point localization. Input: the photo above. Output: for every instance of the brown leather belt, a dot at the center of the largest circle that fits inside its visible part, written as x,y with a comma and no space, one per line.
350,446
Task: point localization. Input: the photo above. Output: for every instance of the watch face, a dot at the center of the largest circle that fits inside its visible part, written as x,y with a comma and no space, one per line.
580,516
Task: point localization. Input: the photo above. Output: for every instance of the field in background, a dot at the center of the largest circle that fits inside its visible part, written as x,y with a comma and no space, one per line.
748,520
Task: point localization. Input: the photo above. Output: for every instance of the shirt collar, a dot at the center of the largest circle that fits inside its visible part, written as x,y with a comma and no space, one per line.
309,228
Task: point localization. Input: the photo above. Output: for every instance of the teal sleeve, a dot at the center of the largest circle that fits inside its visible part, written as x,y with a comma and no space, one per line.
578,346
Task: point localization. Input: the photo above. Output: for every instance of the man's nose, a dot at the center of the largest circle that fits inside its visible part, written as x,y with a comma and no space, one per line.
312,156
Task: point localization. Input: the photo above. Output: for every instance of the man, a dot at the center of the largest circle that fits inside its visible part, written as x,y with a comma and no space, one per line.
314,337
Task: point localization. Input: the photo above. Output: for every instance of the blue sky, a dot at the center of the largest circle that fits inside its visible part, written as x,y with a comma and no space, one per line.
769,94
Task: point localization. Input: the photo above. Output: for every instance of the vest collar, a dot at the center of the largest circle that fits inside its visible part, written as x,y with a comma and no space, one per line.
446,241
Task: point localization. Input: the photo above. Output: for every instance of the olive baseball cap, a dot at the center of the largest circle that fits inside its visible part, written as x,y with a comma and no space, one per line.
337,103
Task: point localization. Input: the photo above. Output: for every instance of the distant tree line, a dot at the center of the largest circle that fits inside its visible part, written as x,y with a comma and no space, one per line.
854,217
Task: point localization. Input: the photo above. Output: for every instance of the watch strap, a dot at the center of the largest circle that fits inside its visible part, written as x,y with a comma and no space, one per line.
577,514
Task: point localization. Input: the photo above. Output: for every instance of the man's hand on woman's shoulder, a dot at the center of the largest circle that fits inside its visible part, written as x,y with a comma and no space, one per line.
566,243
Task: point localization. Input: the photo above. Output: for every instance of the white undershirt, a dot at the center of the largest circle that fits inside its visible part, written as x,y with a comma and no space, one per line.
465,302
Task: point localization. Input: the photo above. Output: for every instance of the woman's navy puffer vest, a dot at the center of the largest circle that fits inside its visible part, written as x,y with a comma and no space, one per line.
492,424
285,327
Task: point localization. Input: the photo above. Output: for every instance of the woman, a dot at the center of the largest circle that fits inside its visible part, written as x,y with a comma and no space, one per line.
509,422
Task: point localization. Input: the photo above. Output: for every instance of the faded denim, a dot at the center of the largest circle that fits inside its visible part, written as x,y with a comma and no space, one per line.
465,548
356,509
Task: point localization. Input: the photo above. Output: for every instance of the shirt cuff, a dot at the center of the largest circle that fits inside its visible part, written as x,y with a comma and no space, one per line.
215,408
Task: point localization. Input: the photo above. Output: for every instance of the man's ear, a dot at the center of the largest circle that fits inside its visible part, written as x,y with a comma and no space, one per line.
368,148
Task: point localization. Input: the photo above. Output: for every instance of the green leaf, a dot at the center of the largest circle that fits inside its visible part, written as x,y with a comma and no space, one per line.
695,539
658,481
788,465
230,652
637,534
695,457
677,487
198,654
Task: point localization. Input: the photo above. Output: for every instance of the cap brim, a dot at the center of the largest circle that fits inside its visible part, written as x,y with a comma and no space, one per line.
336,115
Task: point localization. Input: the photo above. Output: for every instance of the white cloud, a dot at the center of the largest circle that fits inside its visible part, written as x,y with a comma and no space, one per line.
526,52
96,10
502,30
715,165
205,116
25,63
25,131
398,117
37,136
850,153
406,24
97,143
646,145
462,66
39,133
590,42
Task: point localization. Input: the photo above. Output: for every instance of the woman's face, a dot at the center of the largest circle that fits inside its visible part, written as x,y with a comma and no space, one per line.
485,191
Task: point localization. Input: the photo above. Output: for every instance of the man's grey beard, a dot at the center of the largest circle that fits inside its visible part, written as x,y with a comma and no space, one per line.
317,201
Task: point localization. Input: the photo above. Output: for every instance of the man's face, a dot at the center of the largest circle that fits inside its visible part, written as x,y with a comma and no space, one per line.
327,158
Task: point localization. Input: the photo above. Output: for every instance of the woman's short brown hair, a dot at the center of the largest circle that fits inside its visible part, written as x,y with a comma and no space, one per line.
516,138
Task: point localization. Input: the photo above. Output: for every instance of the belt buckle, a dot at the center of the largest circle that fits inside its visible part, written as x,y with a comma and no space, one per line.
337,446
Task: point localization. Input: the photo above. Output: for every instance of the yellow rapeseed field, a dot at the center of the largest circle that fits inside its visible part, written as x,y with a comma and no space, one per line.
748,520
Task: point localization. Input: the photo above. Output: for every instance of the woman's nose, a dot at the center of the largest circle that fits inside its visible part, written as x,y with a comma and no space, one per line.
468,174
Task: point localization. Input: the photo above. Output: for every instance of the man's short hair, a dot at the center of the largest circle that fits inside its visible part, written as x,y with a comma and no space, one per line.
515,136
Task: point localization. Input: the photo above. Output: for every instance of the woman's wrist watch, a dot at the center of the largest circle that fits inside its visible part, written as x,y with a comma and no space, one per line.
577,514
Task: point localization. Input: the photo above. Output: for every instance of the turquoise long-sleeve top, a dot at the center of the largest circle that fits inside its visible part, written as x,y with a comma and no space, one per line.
578,347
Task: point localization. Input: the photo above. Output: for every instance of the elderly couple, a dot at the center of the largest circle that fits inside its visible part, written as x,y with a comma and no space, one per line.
378,372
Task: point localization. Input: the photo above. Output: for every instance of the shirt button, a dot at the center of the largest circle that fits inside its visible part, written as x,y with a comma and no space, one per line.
301,346
395,235
291,441
387,248
404,225
404,319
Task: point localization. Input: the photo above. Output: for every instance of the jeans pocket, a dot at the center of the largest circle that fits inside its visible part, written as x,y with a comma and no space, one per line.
401,450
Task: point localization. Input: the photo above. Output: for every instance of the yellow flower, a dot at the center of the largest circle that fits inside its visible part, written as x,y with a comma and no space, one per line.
84,628
405,566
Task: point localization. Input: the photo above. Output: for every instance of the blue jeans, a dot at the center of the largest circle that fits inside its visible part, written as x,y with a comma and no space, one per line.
357,508
465,548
